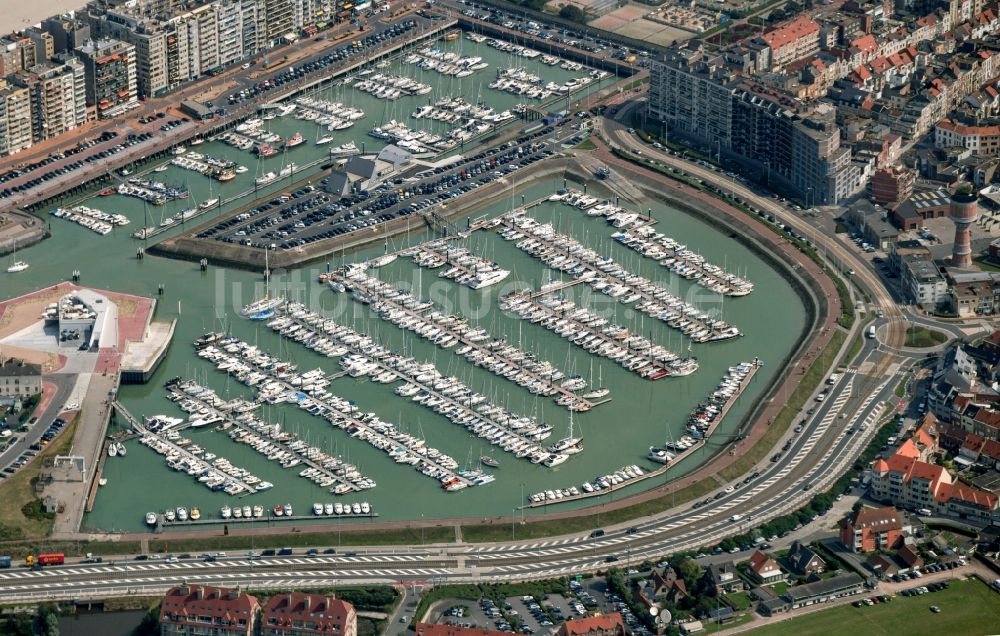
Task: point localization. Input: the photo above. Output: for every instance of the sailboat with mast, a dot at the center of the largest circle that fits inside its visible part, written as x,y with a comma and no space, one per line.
263,308
386,258
16,266
565,447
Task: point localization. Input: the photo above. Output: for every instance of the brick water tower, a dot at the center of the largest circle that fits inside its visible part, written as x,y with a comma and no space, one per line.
964,212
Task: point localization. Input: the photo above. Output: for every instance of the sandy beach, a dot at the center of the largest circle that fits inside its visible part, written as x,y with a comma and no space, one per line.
16,16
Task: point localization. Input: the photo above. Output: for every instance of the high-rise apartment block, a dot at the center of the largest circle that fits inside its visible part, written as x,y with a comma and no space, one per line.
58,96
15,119
179,41
695,96
109,66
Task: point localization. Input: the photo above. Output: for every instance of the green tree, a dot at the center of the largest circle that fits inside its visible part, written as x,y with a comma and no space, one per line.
572,12
50,626
150,623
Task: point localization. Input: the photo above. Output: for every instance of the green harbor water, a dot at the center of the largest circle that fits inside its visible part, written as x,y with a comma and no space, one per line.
640,413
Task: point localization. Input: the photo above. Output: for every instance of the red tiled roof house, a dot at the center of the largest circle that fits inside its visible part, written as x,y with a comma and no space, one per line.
763,568
189,610
301,614
604,625
872,529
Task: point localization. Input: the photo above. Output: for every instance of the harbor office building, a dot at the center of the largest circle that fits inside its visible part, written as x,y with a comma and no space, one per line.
18,379
84,316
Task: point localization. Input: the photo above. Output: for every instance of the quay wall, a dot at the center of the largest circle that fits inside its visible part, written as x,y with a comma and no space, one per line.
749,233
618,67
570,25
186,247
213,127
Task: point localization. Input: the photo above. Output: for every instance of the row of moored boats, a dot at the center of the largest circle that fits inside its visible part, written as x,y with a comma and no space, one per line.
90,218
617,479
603,274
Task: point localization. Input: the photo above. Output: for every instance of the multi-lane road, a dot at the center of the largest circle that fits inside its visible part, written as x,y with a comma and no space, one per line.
815,457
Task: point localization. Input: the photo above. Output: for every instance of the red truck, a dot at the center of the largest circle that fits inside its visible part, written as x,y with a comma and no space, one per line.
55,558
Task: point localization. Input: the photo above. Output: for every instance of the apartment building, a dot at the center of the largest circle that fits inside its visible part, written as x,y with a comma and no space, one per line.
982,139
908,482
892,185
280,20
175,43
192,610
792,41
921,281
301,614
694,95
691,92
229,30
110,69
19,379
15,119
871,529
45,45
67,33
58,97
17,54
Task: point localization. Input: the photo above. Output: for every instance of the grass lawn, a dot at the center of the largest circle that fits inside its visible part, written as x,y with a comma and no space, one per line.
967,607
779,588
405,536
738,600
18,490
985,265
917,336
856,345
586,144
814,375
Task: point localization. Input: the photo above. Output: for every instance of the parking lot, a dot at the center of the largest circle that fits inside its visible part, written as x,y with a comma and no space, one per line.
15,463
357,49
599,47
311,214
69,164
